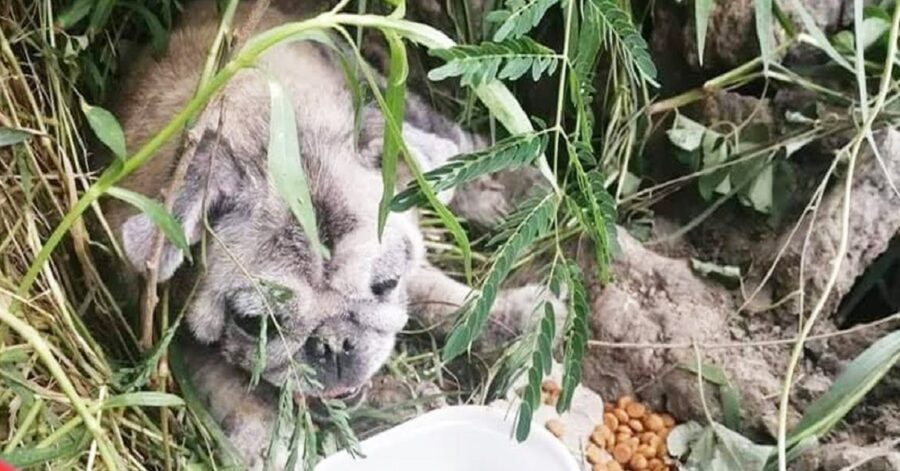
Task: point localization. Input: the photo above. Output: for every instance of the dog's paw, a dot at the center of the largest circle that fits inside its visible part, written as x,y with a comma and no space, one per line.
249,429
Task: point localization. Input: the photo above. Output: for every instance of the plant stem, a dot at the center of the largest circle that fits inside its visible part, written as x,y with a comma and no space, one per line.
495,96
33,337
856,144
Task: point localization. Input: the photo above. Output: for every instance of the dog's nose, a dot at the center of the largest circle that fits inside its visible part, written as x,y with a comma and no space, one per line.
323,351
317,349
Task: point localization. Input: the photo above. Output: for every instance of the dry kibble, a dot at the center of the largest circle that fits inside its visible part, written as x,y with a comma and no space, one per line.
635,410
622,453
638,463
593,454
661,451
614,466
610,420
646,437
655,441
647,451
633,442
654,422
624,429
655,464
623,402
622,438
636,425
551,398
550,386
621,415
668,420
555,427
600,467
599,436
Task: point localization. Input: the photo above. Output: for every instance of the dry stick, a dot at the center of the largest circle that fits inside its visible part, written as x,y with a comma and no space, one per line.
749,344
152,274
842,245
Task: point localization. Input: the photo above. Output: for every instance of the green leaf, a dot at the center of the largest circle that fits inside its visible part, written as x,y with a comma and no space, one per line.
158,214
763,17
285,165
506,60
576,336
686,134
72,14
858,378
702,11
617,23
474,314
731,406
522,17
143,399
106,128
11,137
512,152
395,98
809,23
523,421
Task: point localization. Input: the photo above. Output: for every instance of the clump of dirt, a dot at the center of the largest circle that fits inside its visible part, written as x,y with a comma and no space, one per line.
657,309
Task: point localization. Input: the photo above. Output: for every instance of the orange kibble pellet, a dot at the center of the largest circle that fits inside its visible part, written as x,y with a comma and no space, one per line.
635,410
610,420
621,415
610,442
633,442
623,402
636,425
613,466
638,463
600,467
549,386
655,441
622,438
622,453
655,464
662,452
551,398
654,422
668,420
599,435
646,437
647,451
555,427
593,454
624,429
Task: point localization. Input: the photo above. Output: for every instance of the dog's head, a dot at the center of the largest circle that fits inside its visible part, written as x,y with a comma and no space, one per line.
337,315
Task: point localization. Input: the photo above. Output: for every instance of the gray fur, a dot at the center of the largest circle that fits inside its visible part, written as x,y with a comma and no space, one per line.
342,314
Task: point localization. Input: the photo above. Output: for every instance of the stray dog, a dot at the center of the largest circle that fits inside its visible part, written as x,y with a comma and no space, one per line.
339,315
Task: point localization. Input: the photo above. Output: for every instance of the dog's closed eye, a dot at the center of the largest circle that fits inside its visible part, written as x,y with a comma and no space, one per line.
384,287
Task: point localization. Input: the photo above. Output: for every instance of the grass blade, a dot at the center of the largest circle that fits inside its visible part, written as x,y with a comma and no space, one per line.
860,376
809,23
763,17
395,99
11,137
158,214
285,165
702,11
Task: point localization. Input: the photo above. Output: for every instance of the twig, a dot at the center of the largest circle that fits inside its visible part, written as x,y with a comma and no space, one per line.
152,274
748,344
841,252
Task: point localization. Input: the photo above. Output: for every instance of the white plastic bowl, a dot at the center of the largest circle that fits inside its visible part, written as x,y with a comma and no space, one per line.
461,438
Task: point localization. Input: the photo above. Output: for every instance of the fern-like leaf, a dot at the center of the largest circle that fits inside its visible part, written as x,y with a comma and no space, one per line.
511,152
506,60
541,363
520,17
474,314
576,336
617,24
595,210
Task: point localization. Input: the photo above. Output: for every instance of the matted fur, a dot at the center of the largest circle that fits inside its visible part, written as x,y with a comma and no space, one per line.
342,313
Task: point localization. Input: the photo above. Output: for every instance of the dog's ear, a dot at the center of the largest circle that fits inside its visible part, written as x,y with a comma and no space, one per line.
211,185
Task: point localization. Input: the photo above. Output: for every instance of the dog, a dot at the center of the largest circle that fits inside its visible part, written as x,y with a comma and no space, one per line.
336,315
